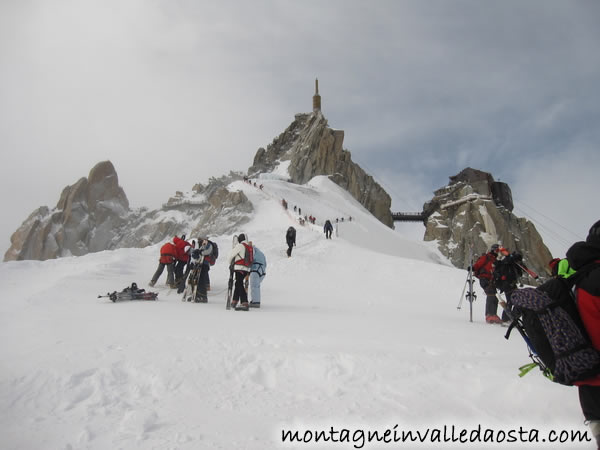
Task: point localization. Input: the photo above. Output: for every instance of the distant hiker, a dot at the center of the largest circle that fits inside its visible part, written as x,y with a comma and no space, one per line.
202,256
168,255
258,271
295,208
584,257
328,229
483,269
241,259
182,258
299,211
290,238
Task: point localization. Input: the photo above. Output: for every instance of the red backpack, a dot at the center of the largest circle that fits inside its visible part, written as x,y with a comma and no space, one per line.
248,257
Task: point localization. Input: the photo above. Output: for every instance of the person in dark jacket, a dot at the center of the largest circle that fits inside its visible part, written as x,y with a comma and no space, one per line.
290,238
584,257
507,274
328,229
204,251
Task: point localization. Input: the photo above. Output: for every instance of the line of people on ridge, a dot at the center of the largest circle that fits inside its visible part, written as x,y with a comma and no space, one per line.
309,218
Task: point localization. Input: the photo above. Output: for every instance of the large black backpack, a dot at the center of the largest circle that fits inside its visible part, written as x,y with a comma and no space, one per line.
506,273
212,258
548,320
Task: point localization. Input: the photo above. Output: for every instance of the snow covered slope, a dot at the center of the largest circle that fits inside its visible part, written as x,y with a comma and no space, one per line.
359,332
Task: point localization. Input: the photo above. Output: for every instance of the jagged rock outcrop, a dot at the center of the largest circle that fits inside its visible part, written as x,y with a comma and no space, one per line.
83,220
474,210
208,210
315,149
93,215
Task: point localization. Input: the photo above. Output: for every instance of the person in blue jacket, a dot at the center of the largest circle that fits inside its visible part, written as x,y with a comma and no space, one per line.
258,271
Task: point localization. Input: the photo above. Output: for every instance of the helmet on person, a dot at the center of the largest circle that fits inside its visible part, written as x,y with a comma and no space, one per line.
495,248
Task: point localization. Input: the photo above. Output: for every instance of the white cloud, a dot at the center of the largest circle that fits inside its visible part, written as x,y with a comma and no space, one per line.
175,92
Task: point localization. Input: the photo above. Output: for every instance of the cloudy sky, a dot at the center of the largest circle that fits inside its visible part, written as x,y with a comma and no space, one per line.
176,91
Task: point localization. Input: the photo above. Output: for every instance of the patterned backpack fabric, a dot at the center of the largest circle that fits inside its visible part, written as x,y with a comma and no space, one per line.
554,332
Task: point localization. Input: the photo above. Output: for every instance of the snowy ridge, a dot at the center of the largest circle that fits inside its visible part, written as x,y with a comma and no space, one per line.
361,331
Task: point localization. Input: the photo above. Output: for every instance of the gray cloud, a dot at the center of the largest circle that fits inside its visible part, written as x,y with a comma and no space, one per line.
175,92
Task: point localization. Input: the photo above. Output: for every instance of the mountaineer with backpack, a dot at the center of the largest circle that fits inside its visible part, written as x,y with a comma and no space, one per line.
290,239
241,258
584,257
168,256
182,256
328,229
561,326
483,269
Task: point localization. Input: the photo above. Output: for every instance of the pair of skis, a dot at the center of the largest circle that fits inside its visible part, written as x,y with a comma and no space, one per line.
130,293
189,293
471,295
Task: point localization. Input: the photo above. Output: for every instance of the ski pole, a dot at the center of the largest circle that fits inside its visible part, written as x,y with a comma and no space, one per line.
462,295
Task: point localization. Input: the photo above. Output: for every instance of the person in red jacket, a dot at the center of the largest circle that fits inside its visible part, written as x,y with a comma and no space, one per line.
584,257
182,257
483,269
168,255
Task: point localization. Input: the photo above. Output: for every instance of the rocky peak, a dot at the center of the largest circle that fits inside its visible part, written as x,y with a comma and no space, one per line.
93,214
473,212
313,148
83,220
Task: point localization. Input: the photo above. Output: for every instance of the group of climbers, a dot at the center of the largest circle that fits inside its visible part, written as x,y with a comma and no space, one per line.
579,275
175,257
498,270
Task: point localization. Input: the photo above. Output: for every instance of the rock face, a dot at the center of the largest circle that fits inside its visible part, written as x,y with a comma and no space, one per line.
93,215
474,210
206,211
83,221
315,149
